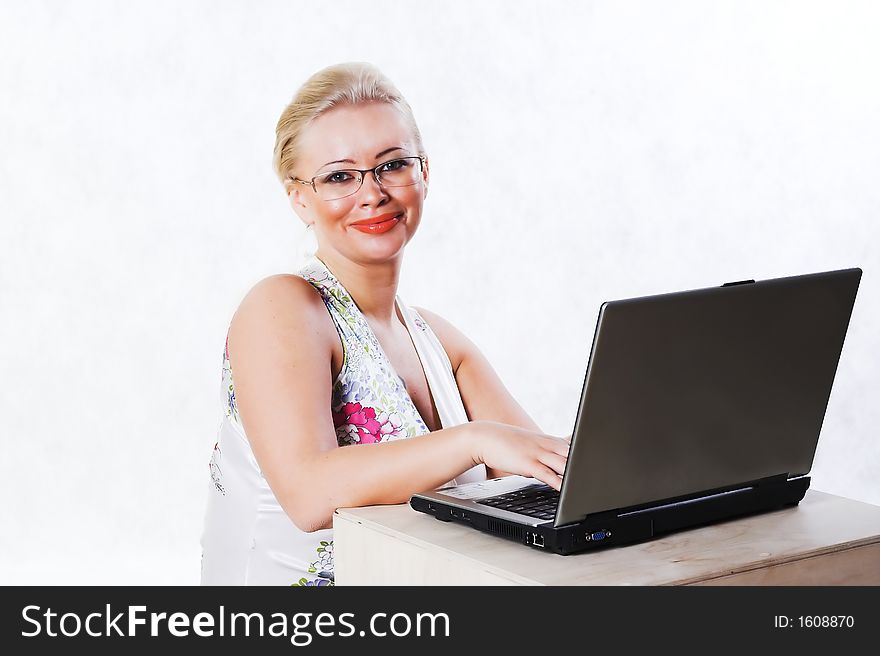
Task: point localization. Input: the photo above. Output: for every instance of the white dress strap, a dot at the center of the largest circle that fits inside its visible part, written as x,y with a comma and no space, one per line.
441,382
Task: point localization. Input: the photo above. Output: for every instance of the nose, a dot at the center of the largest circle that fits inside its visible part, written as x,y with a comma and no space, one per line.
371,192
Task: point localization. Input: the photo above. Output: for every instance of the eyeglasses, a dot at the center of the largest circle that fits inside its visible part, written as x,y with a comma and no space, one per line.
400,172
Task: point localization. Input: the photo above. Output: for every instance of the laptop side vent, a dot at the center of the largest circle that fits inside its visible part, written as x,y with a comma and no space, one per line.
506,530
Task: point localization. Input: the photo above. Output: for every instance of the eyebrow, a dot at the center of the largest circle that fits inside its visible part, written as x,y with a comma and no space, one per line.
351,161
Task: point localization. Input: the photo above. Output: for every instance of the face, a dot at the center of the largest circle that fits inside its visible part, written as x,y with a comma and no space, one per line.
359,137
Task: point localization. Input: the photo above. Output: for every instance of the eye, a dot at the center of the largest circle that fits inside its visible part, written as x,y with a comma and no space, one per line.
337,177
394,165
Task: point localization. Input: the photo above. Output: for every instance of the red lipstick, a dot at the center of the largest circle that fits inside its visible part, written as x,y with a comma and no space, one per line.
377,225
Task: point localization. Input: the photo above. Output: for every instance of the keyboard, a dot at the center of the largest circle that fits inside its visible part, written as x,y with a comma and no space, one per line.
538,501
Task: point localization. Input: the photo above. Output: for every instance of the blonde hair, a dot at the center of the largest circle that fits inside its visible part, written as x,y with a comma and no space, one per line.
353,83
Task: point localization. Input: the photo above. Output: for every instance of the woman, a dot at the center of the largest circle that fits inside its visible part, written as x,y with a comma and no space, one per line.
332,372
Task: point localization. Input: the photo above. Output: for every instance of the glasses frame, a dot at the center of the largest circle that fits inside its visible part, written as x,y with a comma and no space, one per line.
363,174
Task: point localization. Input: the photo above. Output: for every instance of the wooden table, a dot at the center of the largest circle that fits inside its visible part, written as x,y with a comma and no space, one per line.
826,540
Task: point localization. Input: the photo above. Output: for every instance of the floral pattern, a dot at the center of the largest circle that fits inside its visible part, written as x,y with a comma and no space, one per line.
216,473
419,322
323,567
227,386
356,424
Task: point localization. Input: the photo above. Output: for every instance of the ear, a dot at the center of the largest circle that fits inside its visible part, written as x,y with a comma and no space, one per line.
425,175
298,202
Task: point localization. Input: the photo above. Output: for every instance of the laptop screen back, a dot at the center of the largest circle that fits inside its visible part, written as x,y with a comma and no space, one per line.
705,390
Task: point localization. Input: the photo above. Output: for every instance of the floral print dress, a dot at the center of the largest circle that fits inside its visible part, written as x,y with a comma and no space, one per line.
248,539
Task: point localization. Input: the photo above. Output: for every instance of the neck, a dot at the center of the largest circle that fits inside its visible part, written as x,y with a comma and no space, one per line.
373,287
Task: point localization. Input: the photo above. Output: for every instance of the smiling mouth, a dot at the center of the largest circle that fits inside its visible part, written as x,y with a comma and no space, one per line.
379,224
378,220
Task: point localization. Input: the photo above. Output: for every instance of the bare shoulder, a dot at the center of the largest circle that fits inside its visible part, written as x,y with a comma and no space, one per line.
280,304
280,295
455,342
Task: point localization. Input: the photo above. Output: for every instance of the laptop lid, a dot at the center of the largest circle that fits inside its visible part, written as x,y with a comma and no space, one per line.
705,390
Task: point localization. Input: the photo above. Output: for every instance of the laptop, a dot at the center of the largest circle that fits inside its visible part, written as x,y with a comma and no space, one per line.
697,406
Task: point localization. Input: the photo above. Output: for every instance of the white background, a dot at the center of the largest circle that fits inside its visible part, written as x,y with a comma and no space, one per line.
580,152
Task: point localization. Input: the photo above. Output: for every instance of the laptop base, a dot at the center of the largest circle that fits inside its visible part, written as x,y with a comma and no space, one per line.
616,528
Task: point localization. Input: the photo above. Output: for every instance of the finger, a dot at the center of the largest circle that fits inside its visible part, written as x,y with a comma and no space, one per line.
561,447
554,461
557,445
548,476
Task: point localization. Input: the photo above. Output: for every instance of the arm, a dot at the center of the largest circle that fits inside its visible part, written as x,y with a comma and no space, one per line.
280,350
483,393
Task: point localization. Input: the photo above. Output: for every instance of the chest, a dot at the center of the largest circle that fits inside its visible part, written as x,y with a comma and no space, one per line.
405,360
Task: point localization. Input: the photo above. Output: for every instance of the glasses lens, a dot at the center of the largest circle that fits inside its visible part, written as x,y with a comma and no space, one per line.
337,184
400,172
